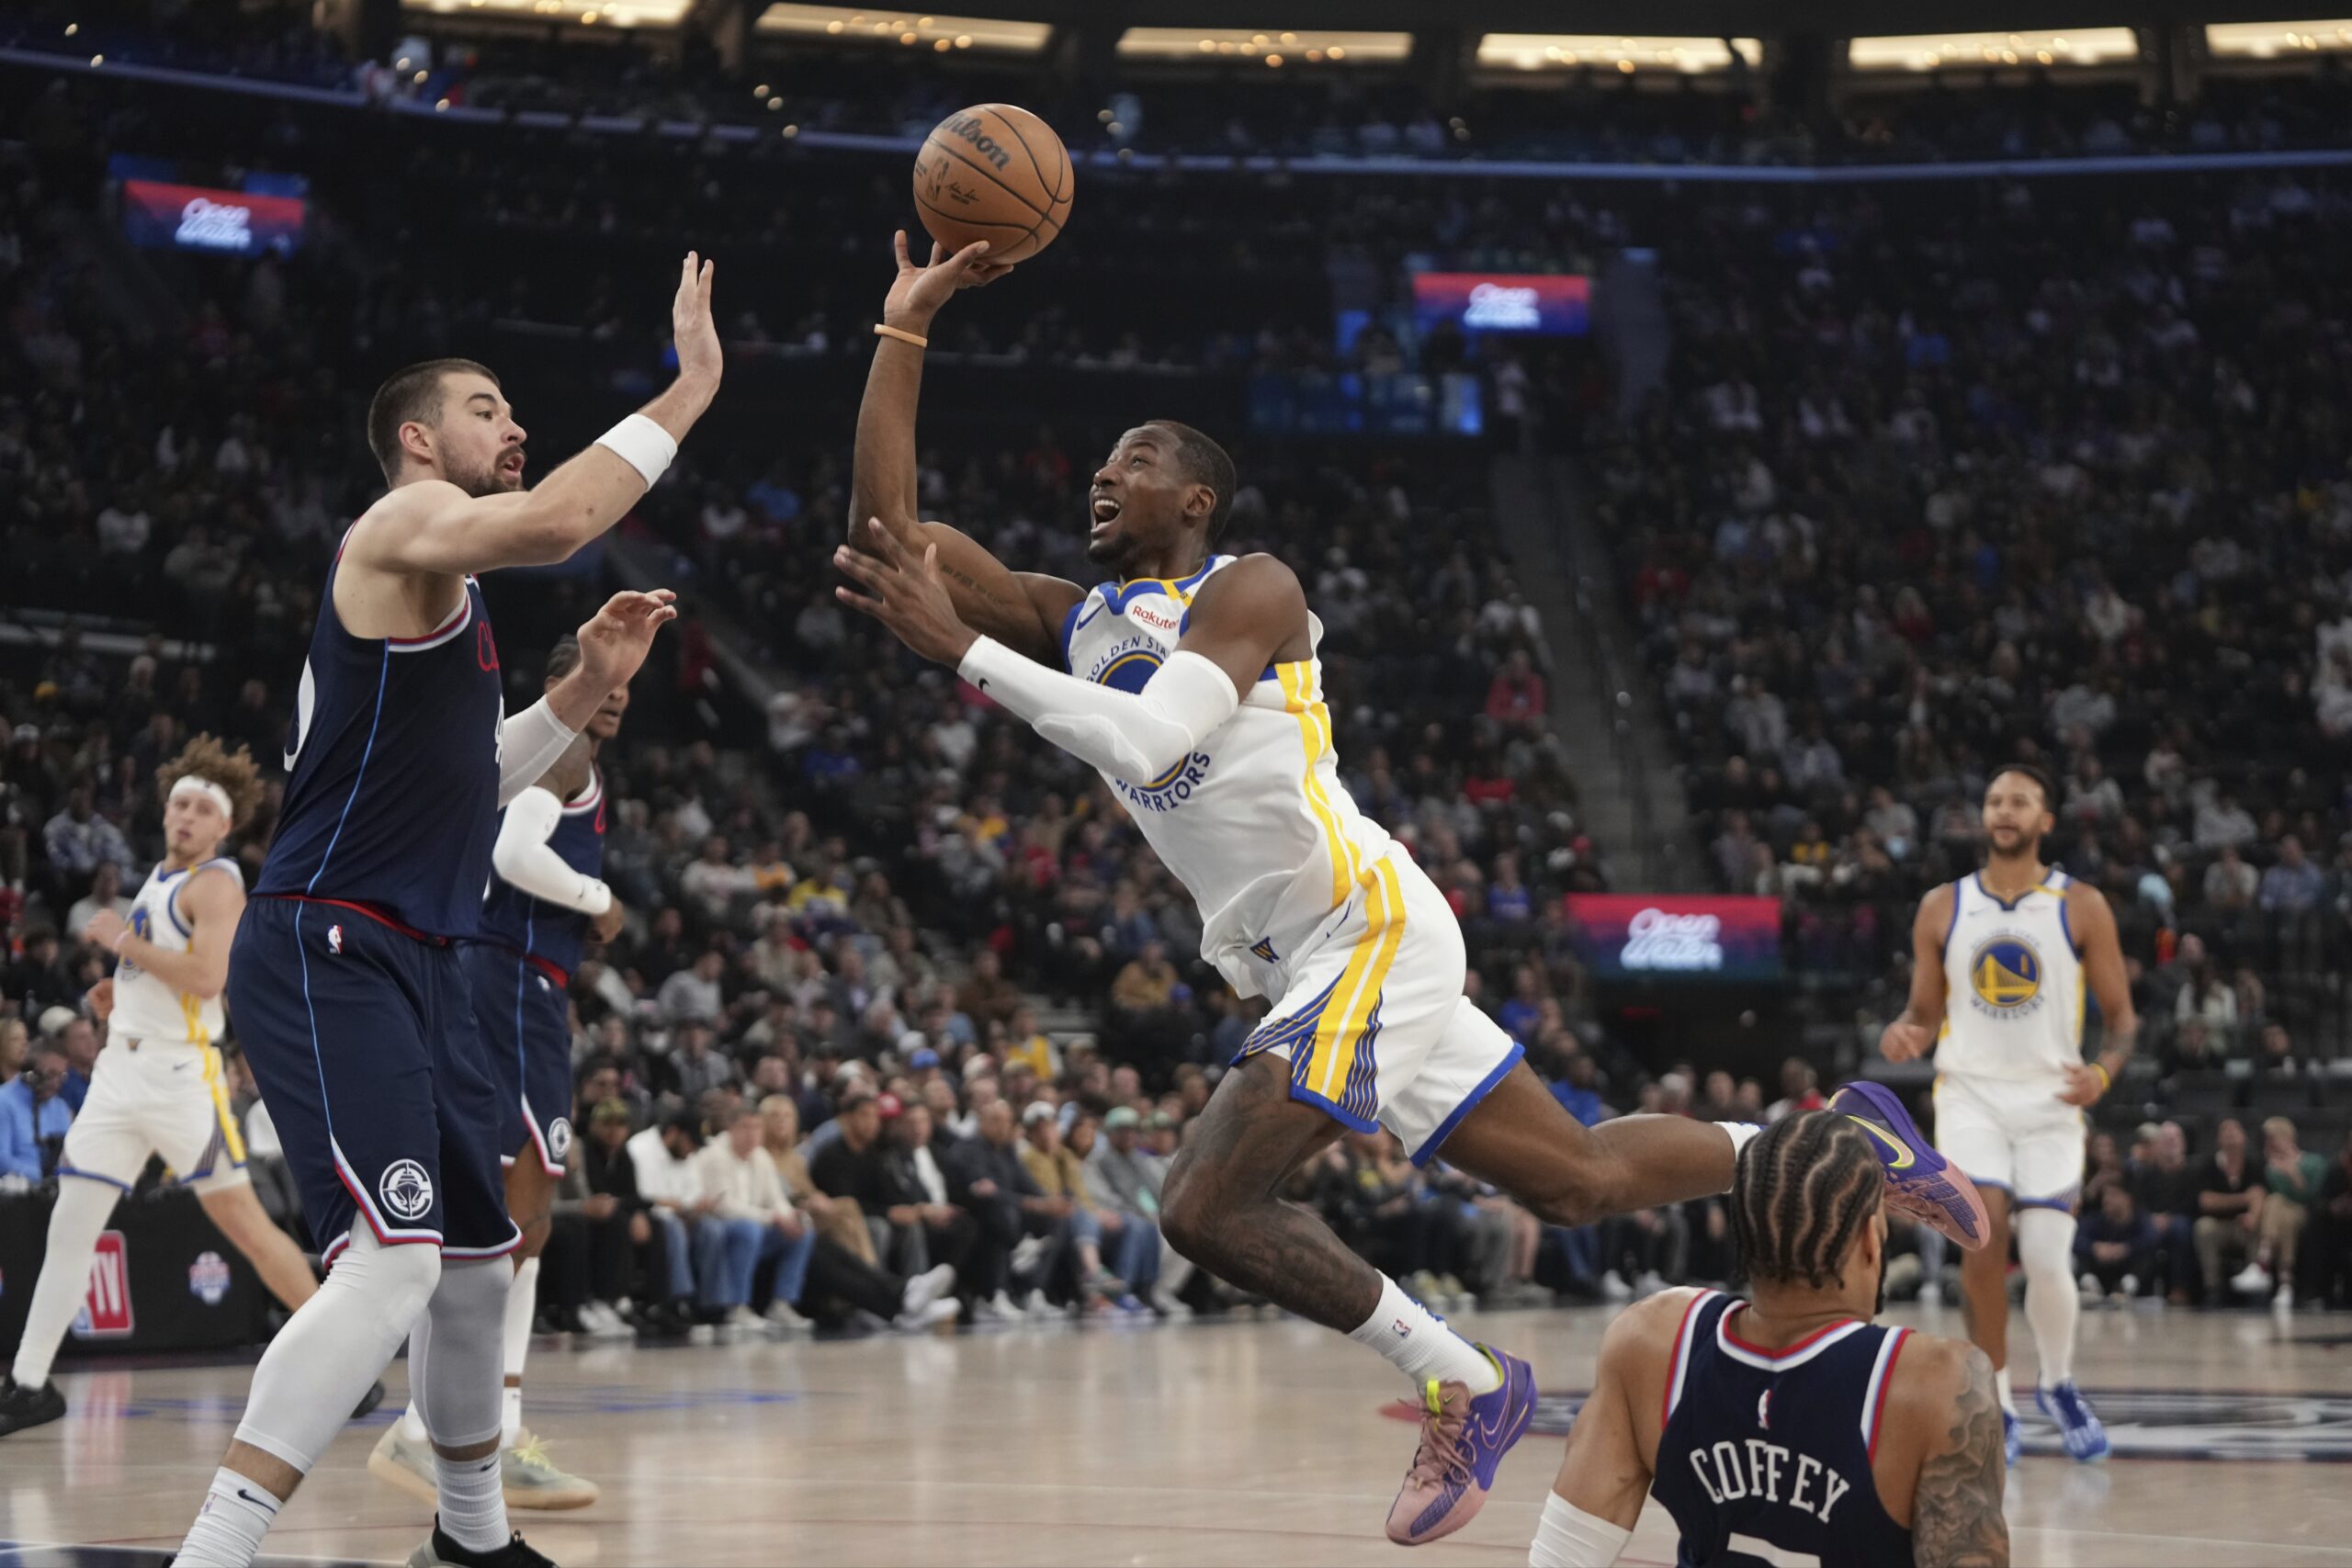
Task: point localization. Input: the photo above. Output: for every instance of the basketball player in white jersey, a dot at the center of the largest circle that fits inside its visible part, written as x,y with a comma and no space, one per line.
2001,961
1192,684
159,1087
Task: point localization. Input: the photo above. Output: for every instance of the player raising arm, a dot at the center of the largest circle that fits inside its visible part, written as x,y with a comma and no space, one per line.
1787,1427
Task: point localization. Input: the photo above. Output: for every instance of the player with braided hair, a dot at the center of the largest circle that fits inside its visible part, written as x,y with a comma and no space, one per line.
1787,1427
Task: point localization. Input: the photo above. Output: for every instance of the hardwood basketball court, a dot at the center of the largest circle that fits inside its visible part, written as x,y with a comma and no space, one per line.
1258,1441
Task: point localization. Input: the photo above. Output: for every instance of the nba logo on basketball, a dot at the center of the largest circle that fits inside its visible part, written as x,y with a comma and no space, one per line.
106,1311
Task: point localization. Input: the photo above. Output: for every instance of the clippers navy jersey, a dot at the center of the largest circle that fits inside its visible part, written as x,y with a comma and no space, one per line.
393,801
1766,1455
512,917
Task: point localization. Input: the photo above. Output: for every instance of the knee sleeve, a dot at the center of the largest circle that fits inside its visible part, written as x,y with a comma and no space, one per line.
316,1370
2046,1245
456,1353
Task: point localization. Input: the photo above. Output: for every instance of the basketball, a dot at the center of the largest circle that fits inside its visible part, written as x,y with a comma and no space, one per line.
996,172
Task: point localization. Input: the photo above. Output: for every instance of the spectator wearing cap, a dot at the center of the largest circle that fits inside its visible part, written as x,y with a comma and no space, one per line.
34,1115
752,1223
1057,1172
662,1157
1123,1181
634,1261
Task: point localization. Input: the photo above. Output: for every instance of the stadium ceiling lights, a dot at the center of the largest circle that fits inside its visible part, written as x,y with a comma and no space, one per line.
589,12
1976,51
1611,51
908,29
2277,41
1272,45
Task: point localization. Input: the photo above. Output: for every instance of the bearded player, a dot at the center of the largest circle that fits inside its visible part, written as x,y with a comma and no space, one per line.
1191,682
2001,962
1787,1427
344,980
159,1089
547,899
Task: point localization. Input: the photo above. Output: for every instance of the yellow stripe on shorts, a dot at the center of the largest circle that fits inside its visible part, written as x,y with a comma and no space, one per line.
1297,680
1340,1031
215,1078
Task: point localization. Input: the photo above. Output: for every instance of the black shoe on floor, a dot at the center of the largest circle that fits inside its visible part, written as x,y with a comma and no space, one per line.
440,1551
21,1407
368,1401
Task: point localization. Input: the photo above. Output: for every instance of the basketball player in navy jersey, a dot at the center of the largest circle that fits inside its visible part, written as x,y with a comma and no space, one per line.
547,897
345,979
1787,1427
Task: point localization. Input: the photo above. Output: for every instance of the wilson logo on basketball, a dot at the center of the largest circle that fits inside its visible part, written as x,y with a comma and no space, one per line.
971,130
105,1310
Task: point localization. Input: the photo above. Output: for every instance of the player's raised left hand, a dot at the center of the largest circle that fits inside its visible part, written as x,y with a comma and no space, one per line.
906,594
2084,1085
614,641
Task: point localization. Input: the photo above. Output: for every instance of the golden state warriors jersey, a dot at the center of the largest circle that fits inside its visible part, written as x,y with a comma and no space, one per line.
144,1007
2013,977
1255,822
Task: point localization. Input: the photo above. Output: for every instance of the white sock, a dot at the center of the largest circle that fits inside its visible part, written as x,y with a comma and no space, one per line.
237,1512
522,1300
1420,1345
2001,1387
1567,1536
75,1225
2053,1303
473,1506
412,1425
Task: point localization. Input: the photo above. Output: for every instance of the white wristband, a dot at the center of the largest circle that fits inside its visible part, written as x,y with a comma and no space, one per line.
642,445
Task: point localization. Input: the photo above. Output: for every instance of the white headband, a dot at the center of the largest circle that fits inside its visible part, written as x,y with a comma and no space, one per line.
188,783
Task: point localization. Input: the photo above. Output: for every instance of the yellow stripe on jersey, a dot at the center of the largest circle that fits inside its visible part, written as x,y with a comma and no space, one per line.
1338,1035
1315,734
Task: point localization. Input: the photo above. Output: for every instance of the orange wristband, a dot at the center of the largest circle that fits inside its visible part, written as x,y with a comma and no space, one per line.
903,336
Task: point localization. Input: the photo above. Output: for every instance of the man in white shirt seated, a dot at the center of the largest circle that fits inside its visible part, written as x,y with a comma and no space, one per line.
663,1155
752,1221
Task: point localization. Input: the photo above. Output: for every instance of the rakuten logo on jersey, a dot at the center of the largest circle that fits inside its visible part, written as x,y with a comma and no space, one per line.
1656,940
1154,618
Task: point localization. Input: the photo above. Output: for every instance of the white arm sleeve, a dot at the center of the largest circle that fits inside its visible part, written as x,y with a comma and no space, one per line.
522,857
529,745
1136,737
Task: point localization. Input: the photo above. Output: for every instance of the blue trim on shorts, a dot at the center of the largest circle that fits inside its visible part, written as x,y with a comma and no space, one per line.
64,1169
1429,1151
1348,1118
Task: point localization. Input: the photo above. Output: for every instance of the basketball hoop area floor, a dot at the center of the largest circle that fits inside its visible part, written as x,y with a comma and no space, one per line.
1257,1441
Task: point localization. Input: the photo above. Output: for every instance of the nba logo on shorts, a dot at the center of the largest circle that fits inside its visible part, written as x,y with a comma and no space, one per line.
407,1191
208,1279
334,939
106,1311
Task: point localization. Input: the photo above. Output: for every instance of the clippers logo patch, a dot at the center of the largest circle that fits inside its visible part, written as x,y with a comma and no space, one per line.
406,1190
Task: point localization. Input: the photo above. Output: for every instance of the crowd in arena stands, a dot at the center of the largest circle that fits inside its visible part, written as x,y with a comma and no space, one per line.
1946,478
1235,107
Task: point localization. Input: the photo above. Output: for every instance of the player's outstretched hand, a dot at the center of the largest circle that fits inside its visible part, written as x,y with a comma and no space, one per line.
1905,1042
906,593
691,327
918,293
614,641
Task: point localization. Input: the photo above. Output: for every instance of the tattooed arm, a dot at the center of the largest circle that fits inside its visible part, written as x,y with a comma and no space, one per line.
1022,610
1956,1504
